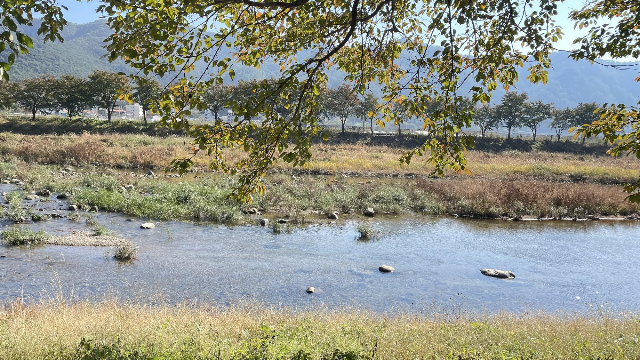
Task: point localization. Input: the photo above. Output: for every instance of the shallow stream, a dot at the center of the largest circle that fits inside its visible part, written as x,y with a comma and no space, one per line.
559,265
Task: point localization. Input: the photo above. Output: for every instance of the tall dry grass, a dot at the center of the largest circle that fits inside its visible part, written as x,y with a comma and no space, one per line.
143,151
111,330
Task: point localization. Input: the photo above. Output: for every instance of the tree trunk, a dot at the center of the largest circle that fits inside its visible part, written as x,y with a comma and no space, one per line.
343,123
509,133
558,135
109,114
534,134
371,125
33,113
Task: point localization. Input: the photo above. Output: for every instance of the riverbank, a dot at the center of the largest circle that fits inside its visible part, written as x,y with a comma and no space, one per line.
112,330
116,171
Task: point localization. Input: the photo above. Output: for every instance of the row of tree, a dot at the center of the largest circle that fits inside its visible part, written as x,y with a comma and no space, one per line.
342,102
102,89
73,94
515,111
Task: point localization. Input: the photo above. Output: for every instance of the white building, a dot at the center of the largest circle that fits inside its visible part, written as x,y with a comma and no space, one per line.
133,111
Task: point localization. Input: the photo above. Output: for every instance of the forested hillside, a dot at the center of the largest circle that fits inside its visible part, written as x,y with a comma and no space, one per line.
81,53
570,82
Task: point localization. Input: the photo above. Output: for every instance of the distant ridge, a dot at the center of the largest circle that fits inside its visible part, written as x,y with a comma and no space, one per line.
570,82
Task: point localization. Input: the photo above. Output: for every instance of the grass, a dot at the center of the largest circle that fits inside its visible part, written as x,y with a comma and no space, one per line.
101,230
365,232
126,252
205,198
347,174
17,236
112,330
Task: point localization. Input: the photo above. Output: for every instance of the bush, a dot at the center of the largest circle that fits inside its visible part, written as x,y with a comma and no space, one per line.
365,233
18,236
100,230
126,252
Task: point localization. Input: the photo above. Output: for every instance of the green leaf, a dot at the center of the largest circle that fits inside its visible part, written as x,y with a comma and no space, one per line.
24,40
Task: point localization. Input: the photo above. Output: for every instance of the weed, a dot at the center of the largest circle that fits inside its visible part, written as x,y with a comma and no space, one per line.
74,216
17,236
14,197
101,230
276,227
15,212
35,217
91,221
105,182
366,233
126,252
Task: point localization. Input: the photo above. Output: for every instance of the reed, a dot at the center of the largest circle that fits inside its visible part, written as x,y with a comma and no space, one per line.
111,330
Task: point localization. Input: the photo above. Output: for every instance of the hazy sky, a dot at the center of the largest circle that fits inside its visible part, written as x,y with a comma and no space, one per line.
83,12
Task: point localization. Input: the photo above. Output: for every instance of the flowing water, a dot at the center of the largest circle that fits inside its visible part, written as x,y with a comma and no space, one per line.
559,265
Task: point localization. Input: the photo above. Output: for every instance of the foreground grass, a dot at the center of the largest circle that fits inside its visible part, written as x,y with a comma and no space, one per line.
116,331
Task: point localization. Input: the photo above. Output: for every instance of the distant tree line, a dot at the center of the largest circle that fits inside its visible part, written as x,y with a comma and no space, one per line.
72,94
103,89
515,111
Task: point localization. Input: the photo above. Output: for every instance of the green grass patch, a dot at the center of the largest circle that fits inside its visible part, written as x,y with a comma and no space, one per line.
206,200
17,236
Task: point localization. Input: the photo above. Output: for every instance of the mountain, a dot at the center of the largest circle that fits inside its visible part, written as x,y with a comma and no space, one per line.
81,53
570,82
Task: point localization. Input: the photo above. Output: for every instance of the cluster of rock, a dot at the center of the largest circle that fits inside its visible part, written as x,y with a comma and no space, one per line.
13,181
500,274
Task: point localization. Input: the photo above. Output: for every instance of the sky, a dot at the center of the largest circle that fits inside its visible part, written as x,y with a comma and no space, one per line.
84,12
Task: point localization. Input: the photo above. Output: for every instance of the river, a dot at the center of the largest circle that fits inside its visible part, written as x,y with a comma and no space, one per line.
559,265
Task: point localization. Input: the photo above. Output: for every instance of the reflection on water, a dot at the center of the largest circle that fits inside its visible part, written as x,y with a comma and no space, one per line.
559,265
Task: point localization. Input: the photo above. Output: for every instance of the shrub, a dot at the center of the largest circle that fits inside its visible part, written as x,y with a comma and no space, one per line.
126,252
100,230
18,236
365,233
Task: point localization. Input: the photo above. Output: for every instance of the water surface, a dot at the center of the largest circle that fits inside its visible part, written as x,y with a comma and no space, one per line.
559,265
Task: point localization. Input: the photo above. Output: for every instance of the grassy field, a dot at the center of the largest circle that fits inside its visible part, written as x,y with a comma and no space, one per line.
115,331
106,165
347,174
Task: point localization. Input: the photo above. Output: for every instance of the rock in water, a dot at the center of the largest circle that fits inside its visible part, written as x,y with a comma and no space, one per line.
73,208
369,212
43,193
333,216
264,222
31,197
500,274
147,226
311,290
386,269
